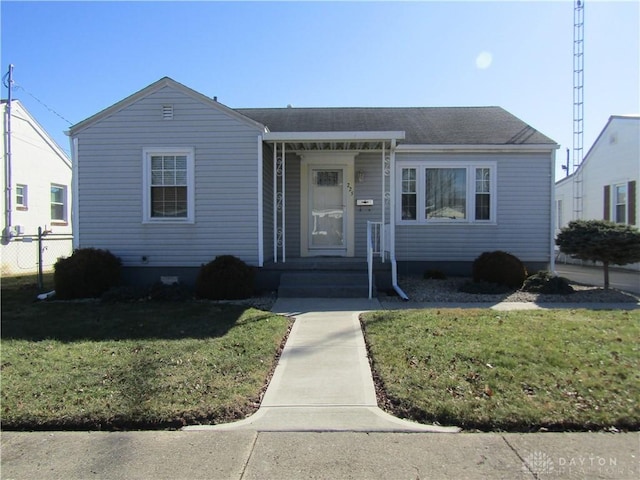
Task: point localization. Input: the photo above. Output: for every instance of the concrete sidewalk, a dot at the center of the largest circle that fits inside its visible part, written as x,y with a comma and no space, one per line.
246,454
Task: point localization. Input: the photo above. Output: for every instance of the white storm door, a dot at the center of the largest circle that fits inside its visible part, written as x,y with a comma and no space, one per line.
327,215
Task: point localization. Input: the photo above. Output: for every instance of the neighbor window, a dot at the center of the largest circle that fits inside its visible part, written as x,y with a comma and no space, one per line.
58,203
620,203
21,197
168,187
448,193
409,194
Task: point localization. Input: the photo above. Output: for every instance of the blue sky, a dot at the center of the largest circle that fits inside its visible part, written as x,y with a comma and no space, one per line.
76,58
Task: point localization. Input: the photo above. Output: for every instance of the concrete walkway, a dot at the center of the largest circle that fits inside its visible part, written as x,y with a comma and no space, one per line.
323,381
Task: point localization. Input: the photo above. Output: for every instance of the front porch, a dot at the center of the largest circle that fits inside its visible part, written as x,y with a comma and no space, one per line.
324,277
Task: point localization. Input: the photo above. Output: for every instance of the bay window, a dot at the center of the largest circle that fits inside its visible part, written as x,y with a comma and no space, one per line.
447,193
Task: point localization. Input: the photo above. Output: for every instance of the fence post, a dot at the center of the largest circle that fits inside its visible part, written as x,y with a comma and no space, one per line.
40,278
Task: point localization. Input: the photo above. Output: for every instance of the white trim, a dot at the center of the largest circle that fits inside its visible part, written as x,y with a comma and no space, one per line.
146,184
75,219
260,205
470,167
332,136
475,148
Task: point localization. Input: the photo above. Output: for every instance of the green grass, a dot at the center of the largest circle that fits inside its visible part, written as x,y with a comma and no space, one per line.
515,371
91,365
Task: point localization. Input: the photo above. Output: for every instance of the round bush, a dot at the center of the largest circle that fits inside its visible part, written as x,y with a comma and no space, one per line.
501,268
225,278
87,273
545,282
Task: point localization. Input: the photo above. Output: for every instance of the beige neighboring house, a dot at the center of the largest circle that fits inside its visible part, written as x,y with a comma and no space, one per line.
605,185
36,178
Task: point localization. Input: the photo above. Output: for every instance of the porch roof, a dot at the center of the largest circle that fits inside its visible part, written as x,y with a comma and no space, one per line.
344,140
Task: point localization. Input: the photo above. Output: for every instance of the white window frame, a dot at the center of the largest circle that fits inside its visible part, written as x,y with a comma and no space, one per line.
147,153
24,204
615,204
64,202
471,167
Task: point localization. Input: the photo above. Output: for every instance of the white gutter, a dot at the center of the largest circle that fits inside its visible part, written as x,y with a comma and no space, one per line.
476,148
331,136
392,222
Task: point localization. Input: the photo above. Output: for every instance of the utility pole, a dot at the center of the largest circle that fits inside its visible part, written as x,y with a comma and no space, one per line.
6,232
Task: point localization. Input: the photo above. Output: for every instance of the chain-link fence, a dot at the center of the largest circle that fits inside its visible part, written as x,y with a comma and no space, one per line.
23,254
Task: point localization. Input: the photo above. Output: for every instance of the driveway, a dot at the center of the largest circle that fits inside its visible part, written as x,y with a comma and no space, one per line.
626,280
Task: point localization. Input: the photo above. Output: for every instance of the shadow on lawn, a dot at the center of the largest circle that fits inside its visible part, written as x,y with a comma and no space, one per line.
26,319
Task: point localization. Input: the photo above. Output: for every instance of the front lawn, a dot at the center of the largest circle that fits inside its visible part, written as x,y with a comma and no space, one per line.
93,365
515,371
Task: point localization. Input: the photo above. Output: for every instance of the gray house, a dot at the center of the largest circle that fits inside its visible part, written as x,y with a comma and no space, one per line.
168,179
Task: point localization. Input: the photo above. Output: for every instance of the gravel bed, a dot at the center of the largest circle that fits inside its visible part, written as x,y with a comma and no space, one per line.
421,290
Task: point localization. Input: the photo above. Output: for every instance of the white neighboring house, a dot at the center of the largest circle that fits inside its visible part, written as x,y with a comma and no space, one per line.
605,185
36,178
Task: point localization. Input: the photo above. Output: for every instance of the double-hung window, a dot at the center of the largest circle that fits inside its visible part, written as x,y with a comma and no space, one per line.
58,203
620,203
437,192
168,194
22,199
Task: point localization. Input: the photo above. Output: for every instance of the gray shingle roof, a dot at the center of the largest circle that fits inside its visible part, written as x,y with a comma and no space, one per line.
423,125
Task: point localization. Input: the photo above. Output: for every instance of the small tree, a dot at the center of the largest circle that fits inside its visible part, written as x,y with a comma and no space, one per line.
600,241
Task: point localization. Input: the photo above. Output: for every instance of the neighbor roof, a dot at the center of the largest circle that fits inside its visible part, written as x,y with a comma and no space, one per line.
423,125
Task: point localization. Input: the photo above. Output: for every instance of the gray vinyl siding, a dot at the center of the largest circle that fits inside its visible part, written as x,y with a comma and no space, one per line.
110,173
523,216
369,189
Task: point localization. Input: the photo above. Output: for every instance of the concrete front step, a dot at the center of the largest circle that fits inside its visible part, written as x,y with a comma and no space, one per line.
324,285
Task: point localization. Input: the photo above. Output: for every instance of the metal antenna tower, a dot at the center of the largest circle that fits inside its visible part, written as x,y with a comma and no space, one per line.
578,105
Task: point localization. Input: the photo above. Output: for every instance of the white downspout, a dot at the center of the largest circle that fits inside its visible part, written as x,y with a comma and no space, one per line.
392,222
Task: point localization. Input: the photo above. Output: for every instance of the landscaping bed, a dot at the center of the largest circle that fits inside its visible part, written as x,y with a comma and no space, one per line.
514,371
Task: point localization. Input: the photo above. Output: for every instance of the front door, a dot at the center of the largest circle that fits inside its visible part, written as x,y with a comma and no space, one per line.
327,217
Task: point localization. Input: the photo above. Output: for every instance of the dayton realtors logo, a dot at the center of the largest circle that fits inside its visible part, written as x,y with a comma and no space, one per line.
539,464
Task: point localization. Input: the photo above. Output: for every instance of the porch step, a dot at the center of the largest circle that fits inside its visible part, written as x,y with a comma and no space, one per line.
318,284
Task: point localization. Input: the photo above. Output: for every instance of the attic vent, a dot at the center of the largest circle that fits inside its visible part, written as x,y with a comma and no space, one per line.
167,112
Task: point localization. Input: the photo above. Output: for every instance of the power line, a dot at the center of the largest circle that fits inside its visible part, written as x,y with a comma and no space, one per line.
20,87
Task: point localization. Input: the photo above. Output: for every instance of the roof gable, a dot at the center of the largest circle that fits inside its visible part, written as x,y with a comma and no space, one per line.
154,87
19,108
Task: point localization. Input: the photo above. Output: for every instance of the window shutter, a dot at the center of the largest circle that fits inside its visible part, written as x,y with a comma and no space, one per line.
631,199
607,203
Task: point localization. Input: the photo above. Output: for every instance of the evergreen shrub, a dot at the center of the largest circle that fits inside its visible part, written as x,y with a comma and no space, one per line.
225,278
87,273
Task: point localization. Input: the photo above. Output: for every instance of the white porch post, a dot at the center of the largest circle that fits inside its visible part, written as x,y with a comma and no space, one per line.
284,240
275,202
384,203
392,208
